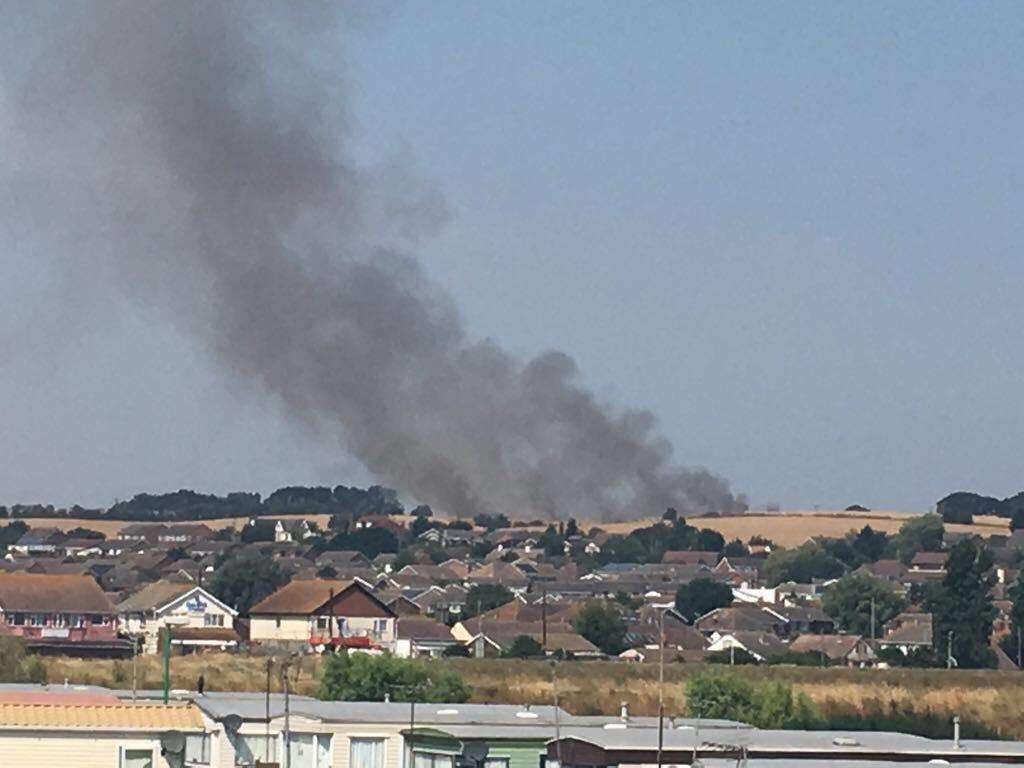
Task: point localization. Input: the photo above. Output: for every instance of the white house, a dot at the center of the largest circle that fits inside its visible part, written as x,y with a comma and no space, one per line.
196,618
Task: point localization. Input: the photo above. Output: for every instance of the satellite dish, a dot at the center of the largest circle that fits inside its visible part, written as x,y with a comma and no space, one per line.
474,752
232,723
172,742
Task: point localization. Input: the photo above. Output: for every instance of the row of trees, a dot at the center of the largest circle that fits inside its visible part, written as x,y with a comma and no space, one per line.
187,505
830,558
963,506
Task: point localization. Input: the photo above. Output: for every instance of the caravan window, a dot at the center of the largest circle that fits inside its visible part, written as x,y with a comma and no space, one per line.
252,748
366,753
197,748
309,750
136,758
433,760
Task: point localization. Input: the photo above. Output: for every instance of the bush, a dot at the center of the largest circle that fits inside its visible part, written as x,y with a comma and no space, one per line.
525,647
17,665
362,677
764,704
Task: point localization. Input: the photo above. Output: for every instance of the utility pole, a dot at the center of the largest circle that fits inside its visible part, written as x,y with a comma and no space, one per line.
134,666
950,661
661,686
544,617
872,618
554,694
1018,647
165,635
266,746
287,711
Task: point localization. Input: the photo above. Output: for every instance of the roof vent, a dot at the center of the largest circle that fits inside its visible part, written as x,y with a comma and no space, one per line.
615,726
845,741
448,711
526,715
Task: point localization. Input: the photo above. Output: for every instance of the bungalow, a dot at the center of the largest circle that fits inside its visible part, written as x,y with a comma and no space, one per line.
848,650
929,562
38,541
318,613
761,645
58,612
185,606
907,632
421,636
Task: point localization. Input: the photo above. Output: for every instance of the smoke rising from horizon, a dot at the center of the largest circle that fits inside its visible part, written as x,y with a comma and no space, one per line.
195,158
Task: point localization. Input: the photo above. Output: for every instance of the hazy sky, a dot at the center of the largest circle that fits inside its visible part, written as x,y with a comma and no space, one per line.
791,231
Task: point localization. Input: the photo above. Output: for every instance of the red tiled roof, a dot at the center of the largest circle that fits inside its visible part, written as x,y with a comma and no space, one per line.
52,593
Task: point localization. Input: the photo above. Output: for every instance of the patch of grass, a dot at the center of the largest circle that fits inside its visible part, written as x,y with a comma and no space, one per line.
987,701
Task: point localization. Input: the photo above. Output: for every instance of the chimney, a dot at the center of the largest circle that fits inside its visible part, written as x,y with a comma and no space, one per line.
956,732
624,712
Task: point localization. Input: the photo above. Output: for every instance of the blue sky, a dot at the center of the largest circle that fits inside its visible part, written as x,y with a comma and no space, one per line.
792,231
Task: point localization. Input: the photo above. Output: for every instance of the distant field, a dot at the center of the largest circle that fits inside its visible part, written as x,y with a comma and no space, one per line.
592,687
791,528
788,528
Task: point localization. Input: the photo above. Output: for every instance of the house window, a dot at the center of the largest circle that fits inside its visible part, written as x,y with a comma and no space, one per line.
250,749
380,626
136,758
309,750
197,748
432,760
322,622
366,753
18,619
213,620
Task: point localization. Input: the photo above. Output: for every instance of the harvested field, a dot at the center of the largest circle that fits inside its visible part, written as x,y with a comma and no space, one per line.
792,528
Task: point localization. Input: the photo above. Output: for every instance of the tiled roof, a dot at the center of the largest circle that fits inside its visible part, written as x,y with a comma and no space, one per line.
153,596
139,717
52,593
303,596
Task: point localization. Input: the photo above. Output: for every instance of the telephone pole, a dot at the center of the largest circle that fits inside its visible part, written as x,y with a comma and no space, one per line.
661,686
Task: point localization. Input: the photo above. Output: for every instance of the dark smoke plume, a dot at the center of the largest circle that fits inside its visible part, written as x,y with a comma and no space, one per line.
194,155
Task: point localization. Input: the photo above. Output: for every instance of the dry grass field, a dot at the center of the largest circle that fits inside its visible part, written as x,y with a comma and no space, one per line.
788,528
793,527
979,696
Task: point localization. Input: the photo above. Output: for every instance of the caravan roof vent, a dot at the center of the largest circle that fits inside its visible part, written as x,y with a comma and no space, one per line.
845,741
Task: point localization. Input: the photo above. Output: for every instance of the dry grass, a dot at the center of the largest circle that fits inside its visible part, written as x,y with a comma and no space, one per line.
792,528
981,696
789,528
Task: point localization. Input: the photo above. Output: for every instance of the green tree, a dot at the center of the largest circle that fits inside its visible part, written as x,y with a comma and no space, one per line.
1013,643
245,579
370,541
849,601
551,541
483,597
362,677
764,704
602,624
803,564
17,665
10,533
919,534
258,530
963,606
525,647
697,597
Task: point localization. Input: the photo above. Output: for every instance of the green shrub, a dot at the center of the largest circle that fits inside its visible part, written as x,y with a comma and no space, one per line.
362,677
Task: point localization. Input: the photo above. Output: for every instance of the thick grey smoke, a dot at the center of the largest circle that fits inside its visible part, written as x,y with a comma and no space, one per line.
193,154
